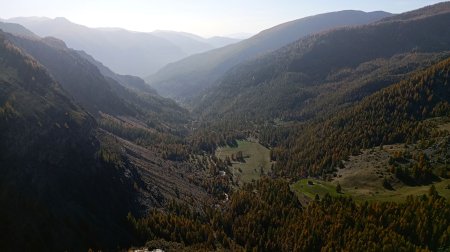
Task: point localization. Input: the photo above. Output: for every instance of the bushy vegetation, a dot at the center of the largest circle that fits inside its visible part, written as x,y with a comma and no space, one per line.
266,216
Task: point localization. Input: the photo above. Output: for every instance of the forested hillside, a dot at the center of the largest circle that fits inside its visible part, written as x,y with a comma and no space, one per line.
48,147
266,216
185,79
328,70
111,94
396,114
81,172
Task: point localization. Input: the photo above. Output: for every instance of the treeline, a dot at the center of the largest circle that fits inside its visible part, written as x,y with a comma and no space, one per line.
418,172
393,115
266,216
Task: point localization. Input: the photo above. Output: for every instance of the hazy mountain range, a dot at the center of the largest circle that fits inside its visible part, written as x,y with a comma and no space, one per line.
297,80
125,52
190,76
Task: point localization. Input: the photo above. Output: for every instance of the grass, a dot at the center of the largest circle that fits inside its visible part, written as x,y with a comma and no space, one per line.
306,191
363,175
256,157
400,194
362,178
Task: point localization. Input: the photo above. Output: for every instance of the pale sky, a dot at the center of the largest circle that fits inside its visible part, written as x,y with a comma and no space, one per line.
203,17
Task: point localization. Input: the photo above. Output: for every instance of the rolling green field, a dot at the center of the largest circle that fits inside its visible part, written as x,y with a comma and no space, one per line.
256,157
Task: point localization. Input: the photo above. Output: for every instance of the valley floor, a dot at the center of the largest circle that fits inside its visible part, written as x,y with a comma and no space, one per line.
256,160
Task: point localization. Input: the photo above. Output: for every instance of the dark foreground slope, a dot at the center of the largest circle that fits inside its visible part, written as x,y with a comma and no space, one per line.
186,78
149,129
57,189
331,69
98,89
69,177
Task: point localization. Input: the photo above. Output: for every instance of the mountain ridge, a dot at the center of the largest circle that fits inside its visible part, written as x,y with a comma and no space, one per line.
16,29
294,76
191,76
147,51
81,76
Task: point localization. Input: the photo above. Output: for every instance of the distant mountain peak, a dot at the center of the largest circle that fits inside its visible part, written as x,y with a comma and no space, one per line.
61,19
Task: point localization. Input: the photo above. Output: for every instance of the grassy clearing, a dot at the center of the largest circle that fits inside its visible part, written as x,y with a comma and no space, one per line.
363,175
256,156
362,178
307,191
400,194
318,187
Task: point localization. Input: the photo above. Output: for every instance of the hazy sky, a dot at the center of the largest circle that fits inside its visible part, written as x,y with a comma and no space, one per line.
203,17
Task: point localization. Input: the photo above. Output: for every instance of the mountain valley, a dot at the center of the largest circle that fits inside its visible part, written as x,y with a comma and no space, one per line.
326,133
125,52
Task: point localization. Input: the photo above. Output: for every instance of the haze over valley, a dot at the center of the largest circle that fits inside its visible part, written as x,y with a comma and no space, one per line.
125,52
